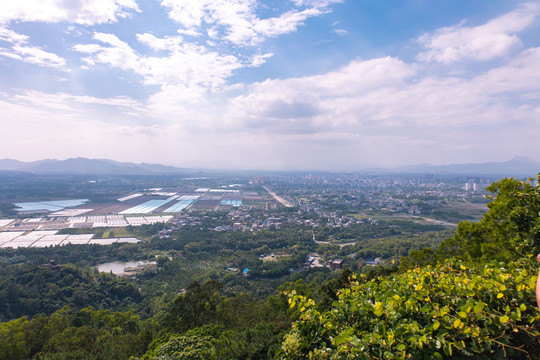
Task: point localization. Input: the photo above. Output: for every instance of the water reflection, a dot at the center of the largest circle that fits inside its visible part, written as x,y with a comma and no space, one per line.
118,267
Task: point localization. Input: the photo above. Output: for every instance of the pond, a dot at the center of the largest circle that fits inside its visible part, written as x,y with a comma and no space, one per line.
117,267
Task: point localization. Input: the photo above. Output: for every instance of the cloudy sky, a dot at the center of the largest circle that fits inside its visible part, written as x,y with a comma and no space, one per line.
298,84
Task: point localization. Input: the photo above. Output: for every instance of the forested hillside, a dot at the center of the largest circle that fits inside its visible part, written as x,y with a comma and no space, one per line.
30,290
470,297
474,297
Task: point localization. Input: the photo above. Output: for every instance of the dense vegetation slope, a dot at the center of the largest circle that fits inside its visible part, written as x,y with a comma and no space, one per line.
472,297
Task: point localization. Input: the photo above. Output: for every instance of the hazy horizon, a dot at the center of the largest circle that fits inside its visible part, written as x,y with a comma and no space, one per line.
246,84
400,169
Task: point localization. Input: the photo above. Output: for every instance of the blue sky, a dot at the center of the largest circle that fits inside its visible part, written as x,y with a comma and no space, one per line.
299,84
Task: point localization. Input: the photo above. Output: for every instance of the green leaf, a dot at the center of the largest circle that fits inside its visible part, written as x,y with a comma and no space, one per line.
478,307
378,309
344,336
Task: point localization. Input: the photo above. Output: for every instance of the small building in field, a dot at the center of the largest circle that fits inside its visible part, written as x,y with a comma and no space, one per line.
336,264
374,262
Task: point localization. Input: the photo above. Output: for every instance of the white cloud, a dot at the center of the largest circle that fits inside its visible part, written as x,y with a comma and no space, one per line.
185,64
189,32
320,103
187,13
494,39
186,73
21,50
118,54
520,75
9,54
84,12
237,20
260,59
388,97
11,36
59,133
72,103
369,110
356,77
167,43
316,3
37,56
272,27
377,109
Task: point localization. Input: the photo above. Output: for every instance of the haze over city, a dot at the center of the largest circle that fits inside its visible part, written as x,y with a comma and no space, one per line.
245,84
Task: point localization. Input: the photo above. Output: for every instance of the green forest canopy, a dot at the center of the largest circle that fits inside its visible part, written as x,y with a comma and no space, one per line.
472,297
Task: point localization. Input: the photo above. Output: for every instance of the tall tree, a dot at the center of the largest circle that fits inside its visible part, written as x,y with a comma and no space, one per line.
508,231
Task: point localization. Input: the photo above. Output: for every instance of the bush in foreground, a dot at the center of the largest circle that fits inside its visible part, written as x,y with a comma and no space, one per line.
451,310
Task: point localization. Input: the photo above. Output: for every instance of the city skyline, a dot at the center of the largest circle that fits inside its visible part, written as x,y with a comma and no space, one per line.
304,84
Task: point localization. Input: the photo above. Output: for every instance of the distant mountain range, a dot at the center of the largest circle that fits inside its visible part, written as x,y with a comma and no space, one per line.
518,166
88,166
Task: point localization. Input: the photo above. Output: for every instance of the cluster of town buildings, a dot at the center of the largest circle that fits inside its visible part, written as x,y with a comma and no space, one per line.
246,219
413,195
